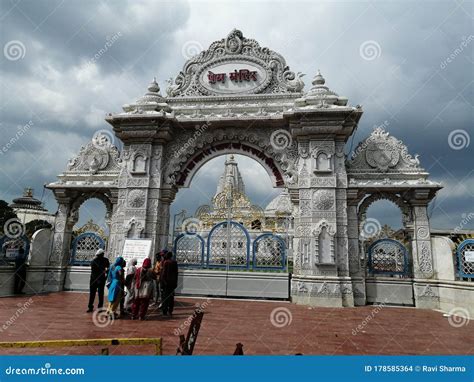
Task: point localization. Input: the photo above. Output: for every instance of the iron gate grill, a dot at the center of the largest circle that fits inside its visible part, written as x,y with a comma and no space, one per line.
388,257
84,248
189,250
269,252
231,243
465,253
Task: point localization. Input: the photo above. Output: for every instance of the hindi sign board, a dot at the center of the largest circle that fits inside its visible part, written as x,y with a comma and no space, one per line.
469,256
136,249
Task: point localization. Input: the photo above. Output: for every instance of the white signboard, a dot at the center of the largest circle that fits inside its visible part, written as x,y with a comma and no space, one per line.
136,249
469,256
233,77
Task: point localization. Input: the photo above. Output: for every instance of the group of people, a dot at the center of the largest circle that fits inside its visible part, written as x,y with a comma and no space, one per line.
131,289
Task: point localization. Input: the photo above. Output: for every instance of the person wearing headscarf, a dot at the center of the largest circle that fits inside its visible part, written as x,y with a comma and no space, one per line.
130,275
142,289
99,268
115,283
169,282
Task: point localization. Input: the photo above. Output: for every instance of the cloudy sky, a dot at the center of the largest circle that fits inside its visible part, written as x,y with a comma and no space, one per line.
409,63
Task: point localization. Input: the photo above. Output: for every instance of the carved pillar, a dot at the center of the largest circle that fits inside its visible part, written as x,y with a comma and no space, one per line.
421,243
162,228
112,221
356,271
60,251
426,295
321,268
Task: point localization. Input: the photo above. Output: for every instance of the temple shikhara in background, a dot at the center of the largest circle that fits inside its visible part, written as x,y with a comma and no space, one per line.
312,244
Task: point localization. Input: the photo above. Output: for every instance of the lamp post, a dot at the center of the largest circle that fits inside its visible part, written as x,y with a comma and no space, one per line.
229,222
183,214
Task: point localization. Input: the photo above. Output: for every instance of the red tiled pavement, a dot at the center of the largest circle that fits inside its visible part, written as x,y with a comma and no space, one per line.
226,322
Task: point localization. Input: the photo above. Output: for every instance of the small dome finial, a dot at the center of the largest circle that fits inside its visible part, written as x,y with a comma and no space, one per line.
318,79
154,87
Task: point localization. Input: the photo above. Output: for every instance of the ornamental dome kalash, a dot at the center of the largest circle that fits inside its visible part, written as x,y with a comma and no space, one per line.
320,95
152,101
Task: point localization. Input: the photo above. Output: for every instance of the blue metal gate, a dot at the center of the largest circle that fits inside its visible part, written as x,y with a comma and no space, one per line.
189,250
228,246
388,257
84,248
269,252
465,259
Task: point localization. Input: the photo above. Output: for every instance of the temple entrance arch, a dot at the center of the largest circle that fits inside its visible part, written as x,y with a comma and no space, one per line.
238,97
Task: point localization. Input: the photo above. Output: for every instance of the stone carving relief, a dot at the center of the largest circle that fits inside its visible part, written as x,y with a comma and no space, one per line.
134,228
324,242
256,140
277,78
425,263
99,155
136,198
323,200
381,152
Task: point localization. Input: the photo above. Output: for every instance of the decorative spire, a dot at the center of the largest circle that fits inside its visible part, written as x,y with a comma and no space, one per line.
231,179
320,96
151,102
318,79
154,87
28,192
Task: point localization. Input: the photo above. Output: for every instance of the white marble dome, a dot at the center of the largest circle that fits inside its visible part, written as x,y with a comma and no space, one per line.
280,205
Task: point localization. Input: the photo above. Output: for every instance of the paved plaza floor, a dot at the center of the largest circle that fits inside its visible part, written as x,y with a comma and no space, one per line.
263,327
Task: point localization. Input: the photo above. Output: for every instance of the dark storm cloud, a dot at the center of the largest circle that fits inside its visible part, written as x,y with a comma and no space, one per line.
416,78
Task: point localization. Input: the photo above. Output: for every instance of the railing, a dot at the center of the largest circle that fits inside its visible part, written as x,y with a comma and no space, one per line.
86,342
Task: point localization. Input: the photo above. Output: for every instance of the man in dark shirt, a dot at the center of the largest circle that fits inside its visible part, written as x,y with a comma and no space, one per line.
99,268
169,282
20,271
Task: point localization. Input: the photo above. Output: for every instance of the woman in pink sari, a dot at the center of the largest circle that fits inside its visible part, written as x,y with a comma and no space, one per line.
142,288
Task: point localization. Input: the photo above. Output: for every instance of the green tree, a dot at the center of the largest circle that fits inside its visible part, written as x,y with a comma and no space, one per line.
32,226
6,213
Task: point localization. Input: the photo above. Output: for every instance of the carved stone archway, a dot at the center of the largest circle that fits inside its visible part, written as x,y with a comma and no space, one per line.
238,97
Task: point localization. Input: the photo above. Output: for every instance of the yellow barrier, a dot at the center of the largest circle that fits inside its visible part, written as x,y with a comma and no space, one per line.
89,342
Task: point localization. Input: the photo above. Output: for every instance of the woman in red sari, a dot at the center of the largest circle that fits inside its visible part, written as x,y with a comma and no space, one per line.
142,290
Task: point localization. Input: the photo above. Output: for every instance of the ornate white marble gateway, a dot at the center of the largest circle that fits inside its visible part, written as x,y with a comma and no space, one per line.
237,97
